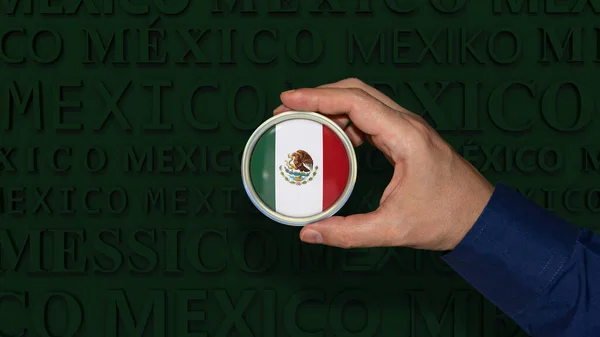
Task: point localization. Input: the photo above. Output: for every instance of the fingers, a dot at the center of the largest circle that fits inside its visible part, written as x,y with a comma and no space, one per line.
280,109
356,83
369,115
355,135
341,120
355,231
352,131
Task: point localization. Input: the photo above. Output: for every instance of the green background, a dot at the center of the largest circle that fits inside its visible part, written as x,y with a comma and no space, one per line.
171,246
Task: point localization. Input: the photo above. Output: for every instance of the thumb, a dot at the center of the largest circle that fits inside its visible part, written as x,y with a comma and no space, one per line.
354,231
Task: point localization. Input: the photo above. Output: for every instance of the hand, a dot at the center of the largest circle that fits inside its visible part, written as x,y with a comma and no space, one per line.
434,196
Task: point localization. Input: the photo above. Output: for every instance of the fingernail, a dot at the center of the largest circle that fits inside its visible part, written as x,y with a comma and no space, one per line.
279,108
311,236
288,91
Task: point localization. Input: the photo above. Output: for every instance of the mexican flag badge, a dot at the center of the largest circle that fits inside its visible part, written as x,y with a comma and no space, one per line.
299,167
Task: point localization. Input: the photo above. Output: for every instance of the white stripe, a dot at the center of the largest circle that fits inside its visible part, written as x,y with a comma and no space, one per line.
290,199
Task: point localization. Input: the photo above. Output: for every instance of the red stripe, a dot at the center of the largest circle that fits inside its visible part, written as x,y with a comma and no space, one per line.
335,168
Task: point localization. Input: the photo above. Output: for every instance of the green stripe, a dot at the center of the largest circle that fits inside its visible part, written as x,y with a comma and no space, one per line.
262,168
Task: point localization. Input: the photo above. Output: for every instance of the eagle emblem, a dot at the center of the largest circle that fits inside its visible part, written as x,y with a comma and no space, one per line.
298,168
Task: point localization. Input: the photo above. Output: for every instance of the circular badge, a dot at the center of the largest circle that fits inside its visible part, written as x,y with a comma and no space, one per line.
298,168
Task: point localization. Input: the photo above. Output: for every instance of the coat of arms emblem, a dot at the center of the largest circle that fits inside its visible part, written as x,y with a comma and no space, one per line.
299,168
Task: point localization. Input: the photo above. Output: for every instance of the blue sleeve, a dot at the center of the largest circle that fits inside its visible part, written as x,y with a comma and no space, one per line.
539,269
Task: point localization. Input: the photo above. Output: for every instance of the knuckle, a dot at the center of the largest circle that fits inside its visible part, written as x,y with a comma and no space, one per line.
427,139
420,129
359,93
418,119
421,133
356,91
353,82
415,119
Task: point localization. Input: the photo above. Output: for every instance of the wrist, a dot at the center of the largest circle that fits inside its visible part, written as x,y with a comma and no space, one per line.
471,210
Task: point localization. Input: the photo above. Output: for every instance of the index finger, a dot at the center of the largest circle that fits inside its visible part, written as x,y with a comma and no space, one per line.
356,83
369,114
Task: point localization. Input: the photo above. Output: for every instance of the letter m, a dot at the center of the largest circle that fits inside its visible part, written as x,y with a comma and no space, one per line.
309,257
137,163
20,100
366,53
454,314
571,46
93,42
591,160
10,254
515,6
155,198
119,314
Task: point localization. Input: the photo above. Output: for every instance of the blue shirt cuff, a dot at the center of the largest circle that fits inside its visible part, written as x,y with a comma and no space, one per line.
514,251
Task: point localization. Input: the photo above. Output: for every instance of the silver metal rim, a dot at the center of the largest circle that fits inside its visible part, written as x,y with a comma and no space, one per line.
258,203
